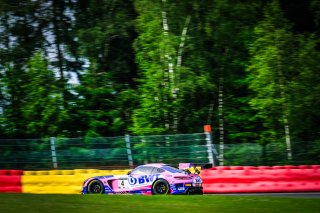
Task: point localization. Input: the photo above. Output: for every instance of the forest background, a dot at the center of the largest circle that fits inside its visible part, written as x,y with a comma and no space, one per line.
100,68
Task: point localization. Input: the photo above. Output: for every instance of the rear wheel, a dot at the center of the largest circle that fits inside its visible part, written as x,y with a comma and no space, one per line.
95,187
160,187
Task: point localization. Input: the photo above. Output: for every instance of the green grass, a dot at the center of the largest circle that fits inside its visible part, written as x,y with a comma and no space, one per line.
26,203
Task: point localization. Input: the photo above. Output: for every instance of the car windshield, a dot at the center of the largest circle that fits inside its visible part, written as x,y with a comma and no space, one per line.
141,170
172,169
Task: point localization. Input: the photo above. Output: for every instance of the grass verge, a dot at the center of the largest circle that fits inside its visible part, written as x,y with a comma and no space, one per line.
33,203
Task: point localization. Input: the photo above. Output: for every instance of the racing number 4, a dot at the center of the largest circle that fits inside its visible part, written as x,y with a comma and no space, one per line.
123,184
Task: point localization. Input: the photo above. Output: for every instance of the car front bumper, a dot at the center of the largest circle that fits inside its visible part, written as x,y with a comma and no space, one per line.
194,191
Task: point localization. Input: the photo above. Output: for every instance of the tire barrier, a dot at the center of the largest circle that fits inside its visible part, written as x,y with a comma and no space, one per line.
221,179
249,179
10,181
61,181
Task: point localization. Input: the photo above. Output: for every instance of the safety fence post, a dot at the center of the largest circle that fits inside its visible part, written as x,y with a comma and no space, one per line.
207,131
129,151
53,152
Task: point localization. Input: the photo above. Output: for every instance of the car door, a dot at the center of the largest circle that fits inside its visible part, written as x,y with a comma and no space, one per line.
142,176
138,177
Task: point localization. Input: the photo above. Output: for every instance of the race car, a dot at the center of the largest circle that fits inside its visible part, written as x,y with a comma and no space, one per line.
148,179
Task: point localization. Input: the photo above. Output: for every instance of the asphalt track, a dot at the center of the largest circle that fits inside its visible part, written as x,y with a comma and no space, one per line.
300,194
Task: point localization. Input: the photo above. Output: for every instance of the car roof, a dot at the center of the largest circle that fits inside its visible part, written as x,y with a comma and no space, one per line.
155,165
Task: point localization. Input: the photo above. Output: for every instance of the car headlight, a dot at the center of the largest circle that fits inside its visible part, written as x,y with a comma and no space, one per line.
197,182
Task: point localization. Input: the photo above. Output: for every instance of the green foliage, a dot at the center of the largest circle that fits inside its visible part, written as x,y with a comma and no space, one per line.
229,28
42,105
95,97
304,89
153,67
279,64
269,69
105,32
172,76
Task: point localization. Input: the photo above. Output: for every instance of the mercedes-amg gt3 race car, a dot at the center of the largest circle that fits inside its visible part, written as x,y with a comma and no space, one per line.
148,179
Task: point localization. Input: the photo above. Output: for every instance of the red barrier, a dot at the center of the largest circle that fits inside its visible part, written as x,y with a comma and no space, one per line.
15,172
10,181
4,172
227,179
232,179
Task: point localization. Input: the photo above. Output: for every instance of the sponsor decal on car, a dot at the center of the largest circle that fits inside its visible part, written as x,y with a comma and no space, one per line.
144,179
133,181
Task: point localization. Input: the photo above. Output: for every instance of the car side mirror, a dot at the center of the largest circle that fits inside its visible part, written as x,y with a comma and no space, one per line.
187,171
129,173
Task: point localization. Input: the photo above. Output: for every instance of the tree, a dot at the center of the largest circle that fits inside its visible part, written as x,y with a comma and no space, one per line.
229,27
269,73
173,90
105,32
304,90
29,26
95,102
19,39
42,109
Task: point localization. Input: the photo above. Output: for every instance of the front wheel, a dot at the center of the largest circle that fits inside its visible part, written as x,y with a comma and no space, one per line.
160,187
95,187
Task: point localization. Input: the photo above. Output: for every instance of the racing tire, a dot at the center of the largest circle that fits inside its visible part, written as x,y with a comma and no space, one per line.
160,187
95,187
